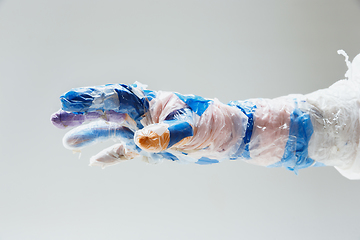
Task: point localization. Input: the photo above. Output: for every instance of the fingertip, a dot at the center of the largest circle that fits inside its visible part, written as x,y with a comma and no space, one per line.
56,120
151,141
73,141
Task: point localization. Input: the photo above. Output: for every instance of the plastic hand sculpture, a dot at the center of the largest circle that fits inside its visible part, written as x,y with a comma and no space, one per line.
296,131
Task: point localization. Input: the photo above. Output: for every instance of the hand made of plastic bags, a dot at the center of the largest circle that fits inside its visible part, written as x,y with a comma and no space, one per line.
295,131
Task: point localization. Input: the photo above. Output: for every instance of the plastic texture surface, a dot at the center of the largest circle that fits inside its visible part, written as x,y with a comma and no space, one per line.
296,131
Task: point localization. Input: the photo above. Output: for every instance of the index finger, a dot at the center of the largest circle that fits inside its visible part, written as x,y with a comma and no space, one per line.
118,97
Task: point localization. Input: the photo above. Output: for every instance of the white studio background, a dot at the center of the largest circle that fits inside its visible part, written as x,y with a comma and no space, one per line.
226,49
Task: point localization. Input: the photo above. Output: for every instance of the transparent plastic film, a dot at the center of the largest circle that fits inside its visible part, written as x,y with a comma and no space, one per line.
63,119
94,132
154,138
295,131
112,155
270,131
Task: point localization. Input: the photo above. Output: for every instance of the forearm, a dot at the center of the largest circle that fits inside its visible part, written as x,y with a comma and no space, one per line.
280,132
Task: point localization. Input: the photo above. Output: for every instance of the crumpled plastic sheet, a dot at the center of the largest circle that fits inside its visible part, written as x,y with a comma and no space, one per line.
295,131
